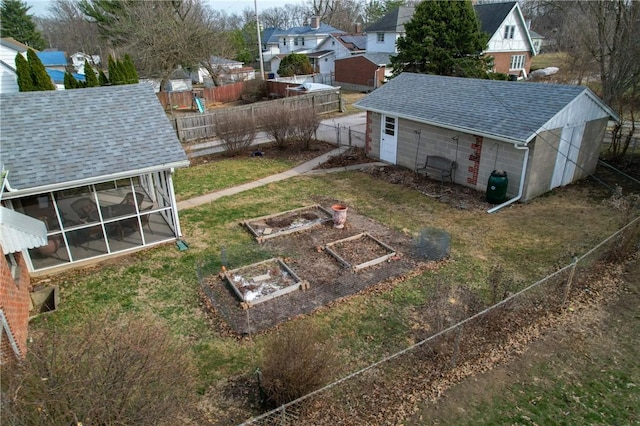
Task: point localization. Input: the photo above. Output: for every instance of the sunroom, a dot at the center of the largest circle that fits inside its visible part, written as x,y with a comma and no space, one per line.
98,173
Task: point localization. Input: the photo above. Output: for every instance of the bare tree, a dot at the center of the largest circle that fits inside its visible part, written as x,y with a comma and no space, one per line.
236,131
607,33
159,35
304,126
277,123
101,372
66,28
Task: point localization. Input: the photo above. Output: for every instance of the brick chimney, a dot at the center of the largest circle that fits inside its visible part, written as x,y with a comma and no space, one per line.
358,27
315,22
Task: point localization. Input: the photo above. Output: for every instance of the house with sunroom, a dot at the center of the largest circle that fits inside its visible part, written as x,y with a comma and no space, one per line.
95,166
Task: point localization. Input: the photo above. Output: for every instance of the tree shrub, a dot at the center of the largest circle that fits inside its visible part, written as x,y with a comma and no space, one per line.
304,126
254,90
89,75
236,131
277,123
295,64
101,372
299,360
39,76
25,82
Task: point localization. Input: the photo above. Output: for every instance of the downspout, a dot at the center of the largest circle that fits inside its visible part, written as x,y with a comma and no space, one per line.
522,177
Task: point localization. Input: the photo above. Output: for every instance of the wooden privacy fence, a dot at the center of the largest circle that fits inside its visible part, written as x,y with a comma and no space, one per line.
184,100
197,127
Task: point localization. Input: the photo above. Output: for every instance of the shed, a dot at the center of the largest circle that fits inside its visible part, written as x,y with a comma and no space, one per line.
542,135
95,165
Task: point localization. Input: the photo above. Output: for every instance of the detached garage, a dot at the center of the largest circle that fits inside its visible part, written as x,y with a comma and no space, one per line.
542,135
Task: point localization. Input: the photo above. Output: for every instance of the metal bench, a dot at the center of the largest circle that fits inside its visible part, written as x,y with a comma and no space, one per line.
437,167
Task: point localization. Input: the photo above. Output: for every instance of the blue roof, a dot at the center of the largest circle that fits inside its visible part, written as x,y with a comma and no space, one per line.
53,58
55,138
308,30
505,110
58,76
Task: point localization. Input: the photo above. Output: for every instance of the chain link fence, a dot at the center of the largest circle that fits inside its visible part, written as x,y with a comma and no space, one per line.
340,135
460,342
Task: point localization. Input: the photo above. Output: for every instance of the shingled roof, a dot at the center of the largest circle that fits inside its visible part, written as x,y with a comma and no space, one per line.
393,21
53,139
503,110
492,15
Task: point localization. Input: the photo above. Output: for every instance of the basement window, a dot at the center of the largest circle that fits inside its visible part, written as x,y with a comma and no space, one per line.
13,267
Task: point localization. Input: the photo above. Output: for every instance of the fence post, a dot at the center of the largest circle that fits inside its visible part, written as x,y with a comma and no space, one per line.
349,135
567,287
456,347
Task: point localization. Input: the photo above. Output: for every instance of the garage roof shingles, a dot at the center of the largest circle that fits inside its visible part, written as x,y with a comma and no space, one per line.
506,109
52,137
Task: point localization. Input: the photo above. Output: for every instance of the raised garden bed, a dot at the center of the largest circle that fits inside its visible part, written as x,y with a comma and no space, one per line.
262,281
359,251
283,223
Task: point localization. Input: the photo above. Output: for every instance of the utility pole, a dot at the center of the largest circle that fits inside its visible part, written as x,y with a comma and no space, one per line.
255,6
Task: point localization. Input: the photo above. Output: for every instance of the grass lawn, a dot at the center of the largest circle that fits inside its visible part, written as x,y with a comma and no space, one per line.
527,241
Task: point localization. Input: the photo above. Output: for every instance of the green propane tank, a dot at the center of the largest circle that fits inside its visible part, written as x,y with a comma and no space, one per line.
497,187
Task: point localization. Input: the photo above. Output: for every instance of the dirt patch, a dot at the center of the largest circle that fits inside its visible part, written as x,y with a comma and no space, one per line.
328,279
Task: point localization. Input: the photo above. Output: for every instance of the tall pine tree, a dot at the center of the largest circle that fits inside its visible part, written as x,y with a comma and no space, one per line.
18,24
25,82
89,75
41,80
444,38
132,74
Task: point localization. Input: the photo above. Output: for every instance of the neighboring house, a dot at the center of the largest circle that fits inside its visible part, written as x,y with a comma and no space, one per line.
363,72
383,34
537,40
18,233
510,43
334,48
542,135
53,60
303,40
77,170
227,71
270,39
78,58
9,48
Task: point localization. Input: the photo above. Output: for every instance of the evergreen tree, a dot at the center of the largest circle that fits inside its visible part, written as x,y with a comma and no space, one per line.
25,82
41,80
70,81
115,76
132,74
18,24
295,64
102,79
122,72
89,75
444,38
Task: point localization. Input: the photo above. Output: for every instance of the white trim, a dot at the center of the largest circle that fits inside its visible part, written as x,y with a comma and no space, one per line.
18,193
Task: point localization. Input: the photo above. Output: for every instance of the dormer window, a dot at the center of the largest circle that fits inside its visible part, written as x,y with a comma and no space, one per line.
380,37
509,31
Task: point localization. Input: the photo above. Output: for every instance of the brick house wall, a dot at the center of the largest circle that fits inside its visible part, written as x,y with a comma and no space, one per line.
502,61
358,71
15,304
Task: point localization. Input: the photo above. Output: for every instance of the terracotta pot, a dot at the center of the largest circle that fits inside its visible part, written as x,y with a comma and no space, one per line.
339,215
